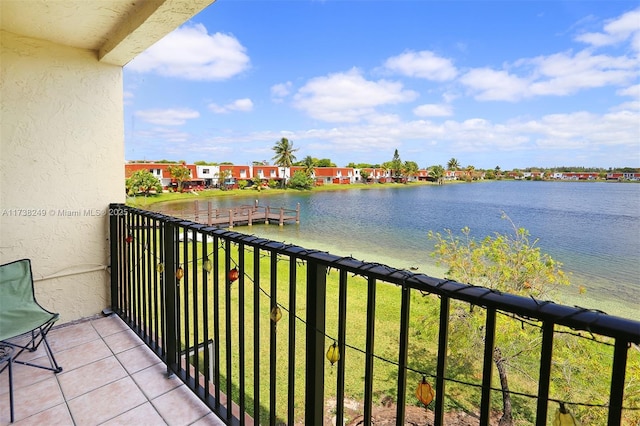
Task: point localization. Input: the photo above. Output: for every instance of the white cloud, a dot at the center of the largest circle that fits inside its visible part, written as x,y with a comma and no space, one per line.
625,27
633,91
192,54
563,73
491,85
423,64
348,97
160,134
167,117
433,110
242,105
281,90
559,74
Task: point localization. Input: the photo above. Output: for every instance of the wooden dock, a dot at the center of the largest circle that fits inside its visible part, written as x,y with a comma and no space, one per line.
244,215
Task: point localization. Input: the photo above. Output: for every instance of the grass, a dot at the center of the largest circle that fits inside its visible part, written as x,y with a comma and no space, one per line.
142,201
581,367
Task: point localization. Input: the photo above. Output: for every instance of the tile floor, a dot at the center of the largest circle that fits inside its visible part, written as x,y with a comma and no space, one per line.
109,377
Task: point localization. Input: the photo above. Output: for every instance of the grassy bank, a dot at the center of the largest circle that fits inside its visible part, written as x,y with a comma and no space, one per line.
141,201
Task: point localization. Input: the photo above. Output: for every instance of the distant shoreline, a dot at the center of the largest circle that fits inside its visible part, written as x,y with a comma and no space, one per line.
140,201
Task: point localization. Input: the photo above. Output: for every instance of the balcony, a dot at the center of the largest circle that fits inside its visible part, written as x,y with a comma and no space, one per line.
109,377
246,326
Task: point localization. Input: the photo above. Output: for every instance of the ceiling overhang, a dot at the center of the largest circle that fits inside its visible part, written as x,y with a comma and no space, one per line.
117,30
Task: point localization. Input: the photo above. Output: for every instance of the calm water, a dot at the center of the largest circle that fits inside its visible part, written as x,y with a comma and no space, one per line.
592,228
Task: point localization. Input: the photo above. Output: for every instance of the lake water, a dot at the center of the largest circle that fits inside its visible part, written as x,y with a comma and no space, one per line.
593,228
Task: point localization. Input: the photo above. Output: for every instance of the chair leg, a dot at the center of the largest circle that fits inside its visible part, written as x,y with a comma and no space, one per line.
38,337
10,370
7,354
52,359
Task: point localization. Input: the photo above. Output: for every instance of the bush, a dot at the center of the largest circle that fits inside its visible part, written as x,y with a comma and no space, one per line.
301,180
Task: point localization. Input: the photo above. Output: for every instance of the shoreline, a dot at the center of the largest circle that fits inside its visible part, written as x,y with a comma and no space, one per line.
566,295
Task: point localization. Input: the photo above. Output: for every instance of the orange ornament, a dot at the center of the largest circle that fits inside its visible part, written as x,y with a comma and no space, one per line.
424,392
233,274
179,273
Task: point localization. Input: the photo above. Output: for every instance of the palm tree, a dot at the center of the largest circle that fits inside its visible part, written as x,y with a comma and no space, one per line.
437,173
453,164
410,169
470,170
180,173
308,165
284,153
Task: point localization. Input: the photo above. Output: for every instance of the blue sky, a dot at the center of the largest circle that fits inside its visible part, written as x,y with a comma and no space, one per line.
512,83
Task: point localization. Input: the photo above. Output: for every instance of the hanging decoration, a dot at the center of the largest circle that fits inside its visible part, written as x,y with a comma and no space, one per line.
333,353
129,239
424,392
207,265
564,417
276,314
179,273
233,274
160,267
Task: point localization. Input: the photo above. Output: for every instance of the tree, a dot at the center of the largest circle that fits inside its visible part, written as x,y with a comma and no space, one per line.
453,164
308,165
437,174
301,180
223,176
470,170
324,162
180,173
284,153
507,263
143,181
410,168
395,165
364,175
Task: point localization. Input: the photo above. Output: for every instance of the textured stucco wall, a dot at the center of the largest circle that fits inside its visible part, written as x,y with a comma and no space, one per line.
61,155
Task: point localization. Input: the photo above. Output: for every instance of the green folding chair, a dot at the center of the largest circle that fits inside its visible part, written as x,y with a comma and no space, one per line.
24,324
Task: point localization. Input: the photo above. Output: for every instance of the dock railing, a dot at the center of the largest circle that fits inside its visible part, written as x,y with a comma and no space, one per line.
243,215
246,323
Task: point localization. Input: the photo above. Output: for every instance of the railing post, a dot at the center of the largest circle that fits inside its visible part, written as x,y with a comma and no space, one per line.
443,342
114,240
405,309
170,286
314,378
489,345
544,378
616,395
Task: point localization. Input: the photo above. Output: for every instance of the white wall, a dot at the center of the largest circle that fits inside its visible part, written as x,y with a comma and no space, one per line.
61,154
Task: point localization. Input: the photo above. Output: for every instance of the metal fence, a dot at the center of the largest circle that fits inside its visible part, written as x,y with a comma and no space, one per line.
246,323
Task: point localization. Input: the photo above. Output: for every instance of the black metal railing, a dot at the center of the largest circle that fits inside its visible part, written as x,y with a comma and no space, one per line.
245,323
